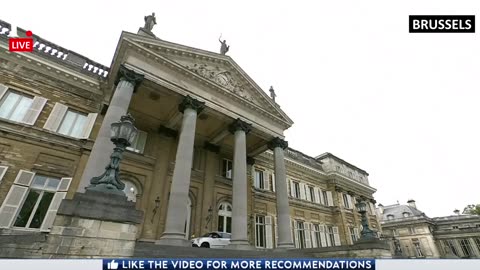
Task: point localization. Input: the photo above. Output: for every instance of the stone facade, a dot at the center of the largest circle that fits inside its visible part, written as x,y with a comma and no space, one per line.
52,151
413,234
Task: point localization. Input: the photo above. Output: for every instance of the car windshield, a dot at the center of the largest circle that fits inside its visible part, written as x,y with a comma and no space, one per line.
206,235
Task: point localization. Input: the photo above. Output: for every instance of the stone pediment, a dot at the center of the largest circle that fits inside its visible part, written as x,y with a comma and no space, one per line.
218,69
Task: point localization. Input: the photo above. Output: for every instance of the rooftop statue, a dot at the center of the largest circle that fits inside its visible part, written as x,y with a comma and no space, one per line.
224,47
150,22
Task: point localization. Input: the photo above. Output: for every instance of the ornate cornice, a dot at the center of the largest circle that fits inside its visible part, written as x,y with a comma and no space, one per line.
277,142
125,74
189,102
240,125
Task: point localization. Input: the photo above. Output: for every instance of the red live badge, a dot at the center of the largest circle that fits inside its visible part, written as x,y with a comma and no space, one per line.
21,44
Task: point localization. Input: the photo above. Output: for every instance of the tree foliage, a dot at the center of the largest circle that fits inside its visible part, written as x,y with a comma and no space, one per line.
472,209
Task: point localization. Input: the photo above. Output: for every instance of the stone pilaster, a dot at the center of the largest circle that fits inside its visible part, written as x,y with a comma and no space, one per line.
239,238
103,147
283,210
177,203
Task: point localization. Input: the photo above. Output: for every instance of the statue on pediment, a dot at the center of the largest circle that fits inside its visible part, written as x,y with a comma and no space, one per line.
223,47
150,22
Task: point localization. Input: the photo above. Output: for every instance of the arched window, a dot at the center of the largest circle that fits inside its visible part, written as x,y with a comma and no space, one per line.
130,190
225,217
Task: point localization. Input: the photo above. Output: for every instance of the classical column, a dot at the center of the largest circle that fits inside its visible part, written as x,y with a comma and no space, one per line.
177,202
103,147
283,210
239,238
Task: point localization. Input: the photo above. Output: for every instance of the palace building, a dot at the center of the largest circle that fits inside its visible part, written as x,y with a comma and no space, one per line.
210,154
413,234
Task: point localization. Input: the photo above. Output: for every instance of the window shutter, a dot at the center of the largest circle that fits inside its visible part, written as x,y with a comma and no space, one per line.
56,116
323,236
3,171
292,189
276,231
349,199
308,242
12,202
272,175
313,234
24,178
266,181
317,195
295,234
322,199
307,193
3,90
52,211
329,198
64,184
302,191
355,231
89,126
268,232
336,236
34,111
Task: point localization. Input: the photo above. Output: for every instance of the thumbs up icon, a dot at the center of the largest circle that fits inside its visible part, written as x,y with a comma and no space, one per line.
112,265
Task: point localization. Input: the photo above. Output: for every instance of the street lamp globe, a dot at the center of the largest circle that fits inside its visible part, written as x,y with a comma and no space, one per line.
123,132
361,206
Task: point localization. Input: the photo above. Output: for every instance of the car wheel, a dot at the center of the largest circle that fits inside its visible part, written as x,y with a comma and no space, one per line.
205,245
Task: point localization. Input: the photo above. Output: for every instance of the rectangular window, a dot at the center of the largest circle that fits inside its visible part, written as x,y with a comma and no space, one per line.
34,209
73,124
477,243
451,245
418,249
311,190
138,144
227,166
316,235
259,179
296,189
330,235
300,231
14,106
412,230
353,235
466,247
260,231
346,201
325,198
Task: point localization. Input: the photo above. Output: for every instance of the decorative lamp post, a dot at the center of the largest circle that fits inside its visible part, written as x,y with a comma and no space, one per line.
122,135
367,233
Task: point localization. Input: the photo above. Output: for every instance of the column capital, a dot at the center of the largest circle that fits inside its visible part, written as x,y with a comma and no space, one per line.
189,102
125,74
240,125
277,142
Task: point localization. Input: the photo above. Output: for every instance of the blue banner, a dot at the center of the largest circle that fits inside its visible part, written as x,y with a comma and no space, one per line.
241,264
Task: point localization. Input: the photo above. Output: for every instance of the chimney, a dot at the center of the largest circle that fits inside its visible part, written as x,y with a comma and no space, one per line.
380,208
456,211
411,203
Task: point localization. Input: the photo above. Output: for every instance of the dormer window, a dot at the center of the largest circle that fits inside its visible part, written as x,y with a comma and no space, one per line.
406,214
389,217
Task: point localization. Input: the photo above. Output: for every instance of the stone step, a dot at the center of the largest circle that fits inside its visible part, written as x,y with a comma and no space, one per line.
151,250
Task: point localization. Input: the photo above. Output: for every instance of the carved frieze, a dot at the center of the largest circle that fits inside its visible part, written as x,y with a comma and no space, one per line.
223,78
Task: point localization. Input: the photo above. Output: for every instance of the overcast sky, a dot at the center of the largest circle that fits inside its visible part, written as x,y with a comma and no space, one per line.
402,106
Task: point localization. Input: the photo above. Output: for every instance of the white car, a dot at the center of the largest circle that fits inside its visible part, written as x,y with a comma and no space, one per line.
212,240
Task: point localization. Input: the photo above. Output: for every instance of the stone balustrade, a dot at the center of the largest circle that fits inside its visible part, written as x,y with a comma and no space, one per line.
47,49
